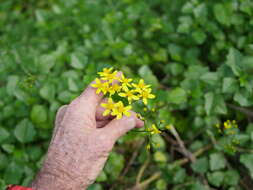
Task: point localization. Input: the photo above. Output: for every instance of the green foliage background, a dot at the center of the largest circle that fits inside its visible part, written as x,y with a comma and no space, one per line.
198,55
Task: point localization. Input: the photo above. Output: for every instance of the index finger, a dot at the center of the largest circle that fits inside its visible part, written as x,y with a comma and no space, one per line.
90,99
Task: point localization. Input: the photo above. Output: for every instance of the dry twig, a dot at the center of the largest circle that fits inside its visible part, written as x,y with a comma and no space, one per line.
145,183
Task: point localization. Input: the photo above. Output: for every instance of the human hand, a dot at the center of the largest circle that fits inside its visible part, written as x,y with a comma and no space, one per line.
81,142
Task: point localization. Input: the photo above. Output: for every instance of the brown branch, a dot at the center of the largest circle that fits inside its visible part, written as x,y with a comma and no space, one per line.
180,162
196,154
244,185
131,160
169,139
146,182
240,149
133,157
241,109
186,152
141,171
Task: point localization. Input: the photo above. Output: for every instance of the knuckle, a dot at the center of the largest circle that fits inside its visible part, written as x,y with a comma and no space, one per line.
61,109
60,114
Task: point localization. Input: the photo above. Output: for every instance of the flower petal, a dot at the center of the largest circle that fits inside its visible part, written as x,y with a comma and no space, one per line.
106,112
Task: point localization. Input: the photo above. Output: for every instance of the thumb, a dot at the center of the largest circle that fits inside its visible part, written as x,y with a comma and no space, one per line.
118,127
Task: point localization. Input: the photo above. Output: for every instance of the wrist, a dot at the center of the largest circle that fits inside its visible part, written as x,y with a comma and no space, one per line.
48,180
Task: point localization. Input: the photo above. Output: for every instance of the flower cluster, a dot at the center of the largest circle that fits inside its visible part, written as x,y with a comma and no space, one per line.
112,85
154,130
229,129
228,126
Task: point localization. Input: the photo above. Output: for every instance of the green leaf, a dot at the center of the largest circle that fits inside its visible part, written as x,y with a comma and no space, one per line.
160,55
174,68
175,51
210,78
199,36
47,91
102,177
217,161
249,129
220,105
46,62
198,186
9,148
158,140
234,59
231,177
201,165
230,85
247,63
13,173
160,157
177,96
247,160
4,134
242,138
200,12
246,7
78,61
39,114
183,27
179,176
25,131
161,184
187,7
242,98
209,100
148,76
27,181
65,96
215,178
3,185
114,165
3,161
12,83
95,187
72,85
222,14
34,153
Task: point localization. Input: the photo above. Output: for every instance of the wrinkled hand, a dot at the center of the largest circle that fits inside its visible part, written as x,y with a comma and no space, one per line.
81,143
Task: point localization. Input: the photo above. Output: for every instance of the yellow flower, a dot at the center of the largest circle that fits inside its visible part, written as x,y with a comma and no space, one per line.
141,85
110,77
168,127
109,106
114,88
130,95
228,124
106,88
105,72
145,95
120,110
148,147
140,116
99,85
125,82
154,129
